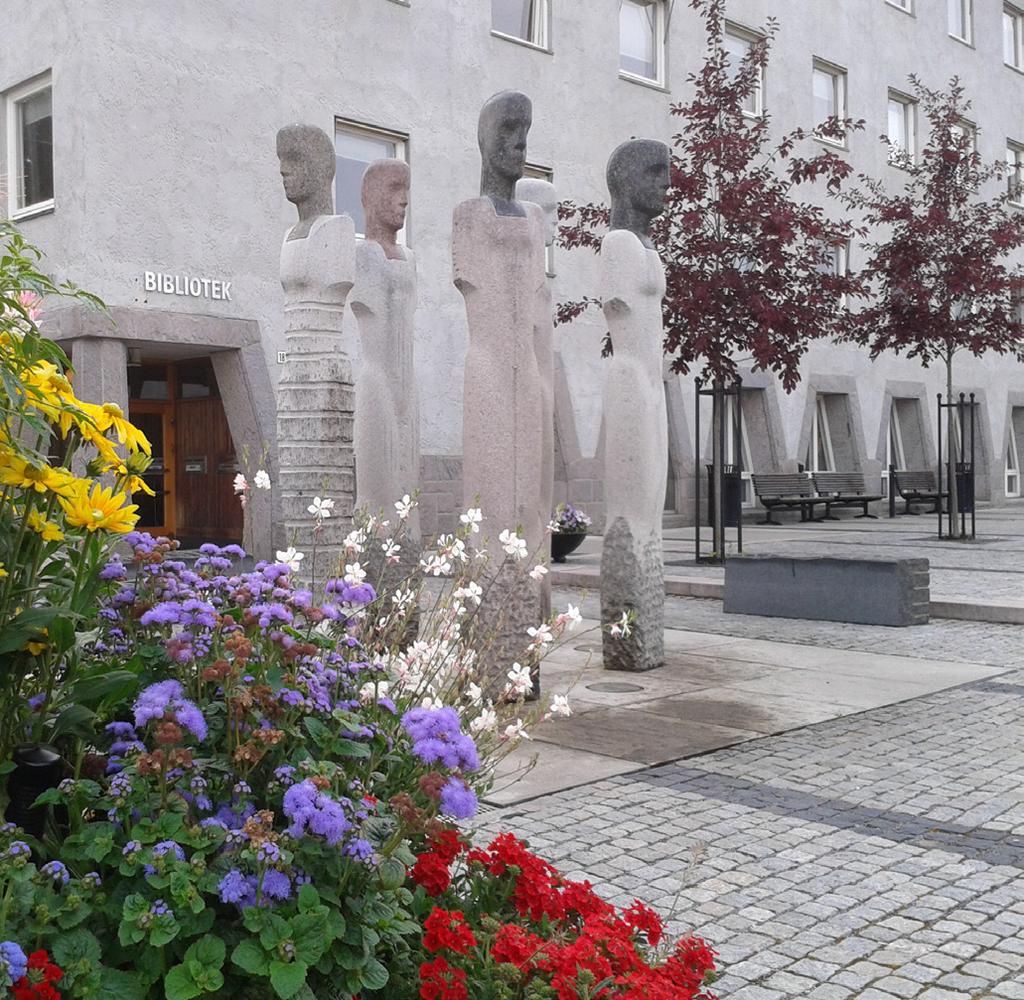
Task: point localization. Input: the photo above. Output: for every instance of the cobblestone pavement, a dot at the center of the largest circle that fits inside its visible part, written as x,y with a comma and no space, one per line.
942,639
878,856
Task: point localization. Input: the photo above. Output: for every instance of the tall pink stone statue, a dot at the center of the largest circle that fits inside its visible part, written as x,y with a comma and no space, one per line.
315,396
636,425
387,424
498,254
542,193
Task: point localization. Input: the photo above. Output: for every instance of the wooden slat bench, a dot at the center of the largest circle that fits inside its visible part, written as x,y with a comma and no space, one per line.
787,490
918,487
844,489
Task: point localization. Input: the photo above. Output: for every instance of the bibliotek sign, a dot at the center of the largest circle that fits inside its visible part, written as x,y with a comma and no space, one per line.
185,284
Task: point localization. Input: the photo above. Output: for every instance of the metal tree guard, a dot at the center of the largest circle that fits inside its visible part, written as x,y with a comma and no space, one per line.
964,471
731,473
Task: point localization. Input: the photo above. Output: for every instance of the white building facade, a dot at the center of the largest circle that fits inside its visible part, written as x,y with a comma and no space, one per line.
138,152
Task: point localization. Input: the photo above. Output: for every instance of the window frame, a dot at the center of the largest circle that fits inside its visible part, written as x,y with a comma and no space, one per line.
899,460
749,36
909,106
907,6
540,29
840,93
732,405
821,433
401,141
660,78
542,173
1012,469
1017,16
12,98
967,10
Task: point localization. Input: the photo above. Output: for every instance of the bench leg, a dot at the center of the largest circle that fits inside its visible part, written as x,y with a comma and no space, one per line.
768,518
874,517
910,510
828,516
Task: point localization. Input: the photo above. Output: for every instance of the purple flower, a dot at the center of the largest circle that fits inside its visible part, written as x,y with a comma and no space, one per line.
114,570
268,852
238,888
18,848
13,961
276,885
458,800
56,871
37,700
361,850
313,811
165,847
164,613
92,880
167,696
438,738
284,774
121,730
160,909
131,848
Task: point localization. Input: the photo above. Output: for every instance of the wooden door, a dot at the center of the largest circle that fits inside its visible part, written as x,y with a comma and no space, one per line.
151,409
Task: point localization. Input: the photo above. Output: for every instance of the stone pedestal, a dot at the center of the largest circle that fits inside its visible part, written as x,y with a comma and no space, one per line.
386,425
499,269
636,452
315,397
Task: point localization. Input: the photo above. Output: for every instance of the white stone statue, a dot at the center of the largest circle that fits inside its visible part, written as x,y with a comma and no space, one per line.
315,396
498,255
387,422
542,193
636,425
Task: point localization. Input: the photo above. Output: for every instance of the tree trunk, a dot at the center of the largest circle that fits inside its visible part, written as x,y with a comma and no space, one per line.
952,451
718,470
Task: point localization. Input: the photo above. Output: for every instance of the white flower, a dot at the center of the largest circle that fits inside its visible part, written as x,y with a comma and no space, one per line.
405,506
623,627
261,480
354,573
559,706
429,702
321,508
472,517
436,566
354,541
290,556
451,547
540,636
402,598
520,682
515,731
471,592
538,572
371,691
475,694
569,618
391,550
552,528
484,722
513,544
241,486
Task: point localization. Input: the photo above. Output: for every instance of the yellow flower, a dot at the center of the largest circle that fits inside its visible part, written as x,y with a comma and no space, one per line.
15,471
136,484
110,415
35,647
50,531
3,572
99,508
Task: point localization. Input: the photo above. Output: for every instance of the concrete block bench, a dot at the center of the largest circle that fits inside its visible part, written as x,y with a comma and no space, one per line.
862,591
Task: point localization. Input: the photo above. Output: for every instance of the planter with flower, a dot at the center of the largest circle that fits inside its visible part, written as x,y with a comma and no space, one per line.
569,526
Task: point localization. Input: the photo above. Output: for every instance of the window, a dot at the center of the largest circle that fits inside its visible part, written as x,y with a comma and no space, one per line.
907,5
642,40
1015,172
820,457
544,174
834,260
902,129
526,20
828,86
1013,37
737,44
1012,461
30,148
355,148
747,466
968,130
960,19
895,453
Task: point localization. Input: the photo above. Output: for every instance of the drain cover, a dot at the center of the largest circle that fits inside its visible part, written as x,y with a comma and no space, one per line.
614,687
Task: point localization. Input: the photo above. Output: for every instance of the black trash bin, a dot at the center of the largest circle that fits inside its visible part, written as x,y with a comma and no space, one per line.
732,488
964,488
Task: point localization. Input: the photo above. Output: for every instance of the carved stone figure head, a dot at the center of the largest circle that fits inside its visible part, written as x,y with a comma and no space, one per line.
638,179
307,170
504,124
542,193
385,200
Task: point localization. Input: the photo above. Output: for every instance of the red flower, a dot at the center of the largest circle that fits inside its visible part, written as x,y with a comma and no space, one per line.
432,866
36,983
643,918
514,945
447,930
440,981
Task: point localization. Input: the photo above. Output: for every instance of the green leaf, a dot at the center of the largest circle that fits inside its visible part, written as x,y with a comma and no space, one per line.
178,984
164,931
309,935
349,748
75,720
275,931
320,734
251,958
208,950
80,944
391,873
308,898
287,978
92,690
374,976
117,985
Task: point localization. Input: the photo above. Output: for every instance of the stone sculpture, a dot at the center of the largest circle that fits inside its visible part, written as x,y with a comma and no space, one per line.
636,426
542,193
315,397
387,434
498,254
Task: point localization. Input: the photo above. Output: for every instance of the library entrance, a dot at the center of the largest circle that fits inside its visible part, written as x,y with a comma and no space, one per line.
177,406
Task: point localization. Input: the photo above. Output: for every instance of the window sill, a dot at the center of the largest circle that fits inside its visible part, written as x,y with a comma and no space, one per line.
909,11
31,211
643,81
962,41
525,43
831,143
1016,69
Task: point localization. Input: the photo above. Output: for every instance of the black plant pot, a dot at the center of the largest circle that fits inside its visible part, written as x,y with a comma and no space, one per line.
562,543
37,767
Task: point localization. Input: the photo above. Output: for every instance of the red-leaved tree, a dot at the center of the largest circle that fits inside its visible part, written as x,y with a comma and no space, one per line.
749,266
941,273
